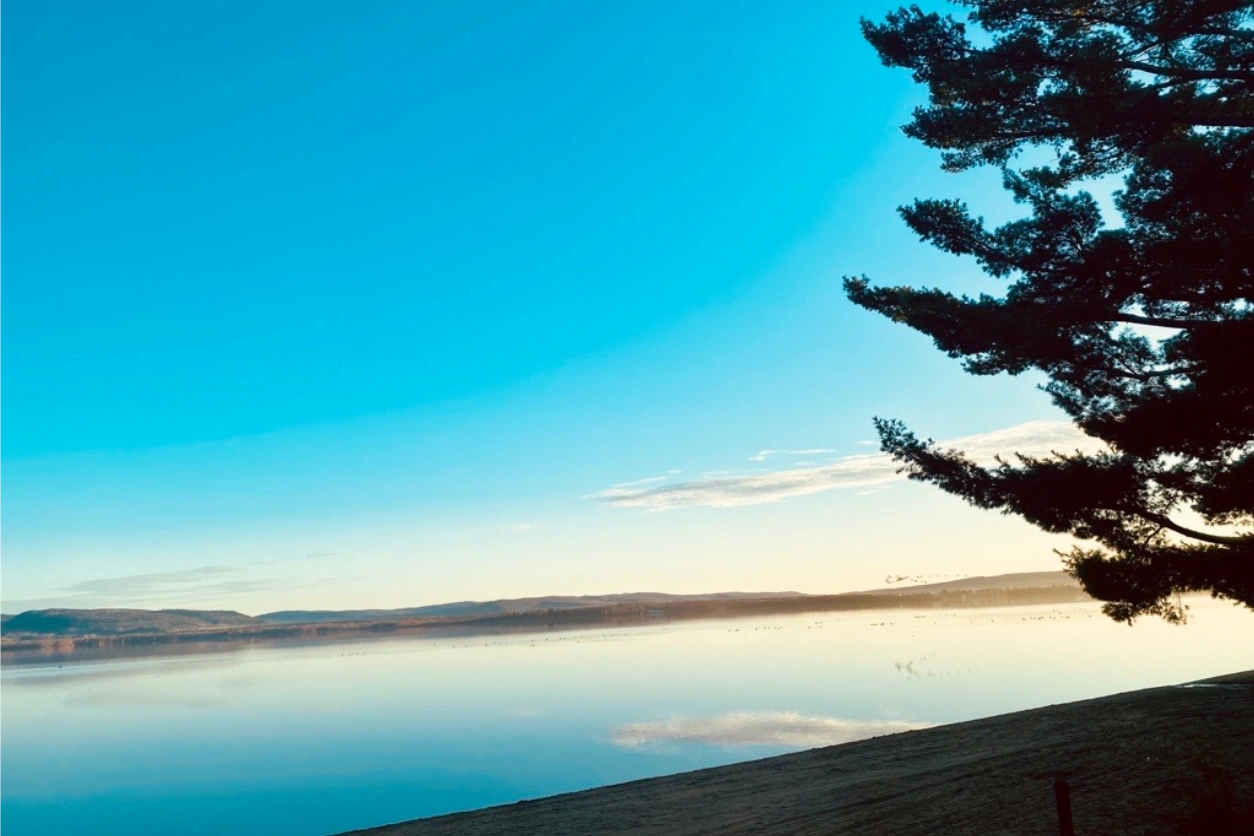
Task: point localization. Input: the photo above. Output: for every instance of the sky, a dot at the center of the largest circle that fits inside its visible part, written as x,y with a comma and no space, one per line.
311,305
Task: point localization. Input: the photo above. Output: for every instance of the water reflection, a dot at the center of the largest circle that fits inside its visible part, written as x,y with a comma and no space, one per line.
788,729
311,740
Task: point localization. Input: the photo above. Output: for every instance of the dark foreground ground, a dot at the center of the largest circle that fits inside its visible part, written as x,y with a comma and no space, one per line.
1131,760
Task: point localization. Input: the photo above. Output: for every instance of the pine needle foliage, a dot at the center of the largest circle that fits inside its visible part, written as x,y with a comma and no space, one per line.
1143,327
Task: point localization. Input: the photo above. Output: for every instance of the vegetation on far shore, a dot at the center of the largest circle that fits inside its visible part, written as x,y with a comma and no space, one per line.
67,630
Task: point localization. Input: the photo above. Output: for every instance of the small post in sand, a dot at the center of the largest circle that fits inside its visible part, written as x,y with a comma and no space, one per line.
1062,797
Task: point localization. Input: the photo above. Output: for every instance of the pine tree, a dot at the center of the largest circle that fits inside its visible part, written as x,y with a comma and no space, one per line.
1143,327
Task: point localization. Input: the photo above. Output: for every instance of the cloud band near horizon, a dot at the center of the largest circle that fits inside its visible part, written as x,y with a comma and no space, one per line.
1033,438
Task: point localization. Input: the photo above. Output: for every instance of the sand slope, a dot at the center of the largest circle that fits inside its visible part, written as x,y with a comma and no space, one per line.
1127,757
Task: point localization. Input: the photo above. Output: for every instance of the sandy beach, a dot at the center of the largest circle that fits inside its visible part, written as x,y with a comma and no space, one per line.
1130,760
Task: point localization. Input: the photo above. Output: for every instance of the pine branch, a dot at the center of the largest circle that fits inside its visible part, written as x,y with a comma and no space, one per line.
1188,73
1213,539
1160,321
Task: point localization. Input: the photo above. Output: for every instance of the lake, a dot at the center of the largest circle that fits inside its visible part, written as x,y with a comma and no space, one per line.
313,740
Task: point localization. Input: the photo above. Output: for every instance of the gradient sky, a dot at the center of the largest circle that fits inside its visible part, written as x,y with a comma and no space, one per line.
311,305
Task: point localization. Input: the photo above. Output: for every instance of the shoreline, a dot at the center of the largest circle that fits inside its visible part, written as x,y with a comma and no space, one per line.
22,649
1131,760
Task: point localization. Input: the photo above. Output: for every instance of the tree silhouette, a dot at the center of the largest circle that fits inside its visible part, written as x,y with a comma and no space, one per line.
1144,328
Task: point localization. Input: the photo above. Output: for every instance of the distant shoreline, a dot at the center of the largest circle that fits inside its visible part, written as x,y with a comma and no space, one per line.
1130,759
21,647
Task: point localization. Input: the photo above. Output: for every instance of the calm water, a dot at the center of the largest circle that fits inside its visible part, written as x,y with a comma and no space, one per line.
315,740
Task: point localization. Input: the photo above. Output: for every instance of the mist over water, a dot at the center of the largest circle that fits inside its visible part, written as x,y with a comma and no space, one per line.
303,741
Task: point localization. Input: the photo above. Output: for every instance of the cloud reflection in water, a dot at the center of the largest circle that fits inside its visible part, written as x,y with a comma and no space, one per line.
757,728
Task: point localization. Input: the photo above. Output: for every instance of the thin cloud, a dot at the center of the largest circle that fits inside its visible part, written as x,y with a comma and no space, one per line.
324,556
865,470
523,527
760,728
165,589
650,480
763,455
155,583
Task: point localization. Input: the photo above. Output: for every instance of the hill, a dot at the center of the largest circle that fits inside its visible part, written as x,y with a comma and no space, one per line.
65,622
505,606
38,630
1014,580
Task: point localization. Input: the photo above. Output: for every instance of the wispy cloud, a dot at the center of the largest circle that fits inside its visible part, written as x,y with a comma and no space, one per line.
164,589
324,556
761,728
650,480
523,527
858,471
155,584
763,455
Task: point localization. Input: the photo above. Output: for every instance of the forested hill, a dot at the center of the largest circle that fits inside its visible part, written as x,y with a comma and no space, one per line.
505,606
110,622
905,585
1017,580
1000,590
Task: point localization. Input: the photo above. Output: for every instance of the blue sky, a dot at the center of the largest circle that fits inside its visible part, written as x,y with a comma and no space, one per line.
316,306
